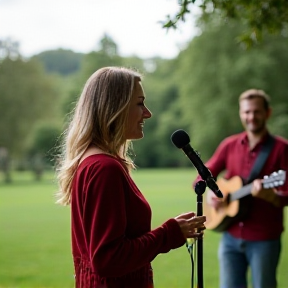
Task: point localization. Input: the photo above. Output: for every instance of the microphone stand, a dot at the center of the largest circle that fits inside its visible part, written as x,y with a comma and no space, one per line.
200,188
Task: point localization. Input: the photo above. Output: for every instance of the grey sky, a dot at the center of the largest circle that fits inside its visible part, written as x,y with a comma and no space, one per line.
80,24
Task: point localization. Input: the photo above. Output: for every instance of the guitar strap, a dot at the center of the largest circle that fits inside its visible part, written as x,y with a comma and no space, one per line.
261,159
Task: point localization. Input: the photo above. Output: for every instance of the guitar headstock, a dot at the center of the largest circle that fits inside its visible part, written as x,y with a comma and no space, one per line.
275,179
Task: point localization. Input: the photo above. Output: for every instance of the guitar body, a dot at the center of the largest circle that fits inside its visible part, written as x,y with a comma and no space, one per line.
220,219
238,200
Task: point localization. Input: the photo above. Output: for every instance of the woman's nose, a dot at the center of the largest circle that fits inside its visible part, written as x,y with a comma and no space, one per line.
147,113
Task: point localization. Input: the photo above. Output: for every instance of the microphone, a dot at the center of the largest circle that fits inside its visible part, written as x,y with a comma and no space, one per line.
182,141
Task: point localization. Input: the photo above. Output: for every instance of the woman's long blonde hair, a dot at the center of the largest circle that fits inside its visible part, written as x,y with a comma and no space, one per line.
100,118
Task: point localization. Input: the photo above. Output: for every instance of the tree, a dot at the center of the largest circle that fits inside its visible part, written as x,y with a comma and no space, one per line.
259,16
5,164
162,90
44,145
27,95
108,46
9,49
212,73
64,62
106,55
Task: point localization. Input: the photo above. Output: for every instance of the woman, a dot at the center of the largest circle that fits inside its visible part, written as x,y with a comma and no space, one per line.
112,241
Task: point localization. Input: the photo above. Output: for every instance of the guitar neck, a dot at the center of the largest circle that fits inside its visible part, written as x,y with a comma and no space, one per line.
242,192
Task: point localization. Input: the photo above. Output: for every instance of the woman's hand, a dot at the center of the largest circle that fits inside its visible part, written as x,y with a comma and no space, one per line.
192,226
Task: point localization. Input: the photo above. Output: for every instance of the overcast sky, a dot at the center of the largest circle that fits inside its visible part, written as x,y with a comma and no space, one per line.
79,25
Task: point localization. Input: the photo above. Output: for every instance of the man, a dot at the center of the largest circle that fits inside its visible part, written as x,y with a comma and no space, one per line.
252,241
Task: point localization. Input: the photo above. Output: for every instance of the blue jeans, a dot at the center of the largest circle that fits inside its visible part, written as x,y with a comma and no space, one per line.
236,255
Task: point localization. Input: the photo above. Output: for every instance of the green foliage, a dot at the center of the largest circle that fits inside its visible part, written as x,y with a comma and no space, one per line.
215,69
27,94
108,46
161,88
106,56
259,16
197,91
45,141
64,62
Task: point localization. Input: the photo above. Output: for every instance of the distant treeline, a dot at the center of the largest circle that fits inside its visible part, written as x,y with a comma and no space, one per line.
197,91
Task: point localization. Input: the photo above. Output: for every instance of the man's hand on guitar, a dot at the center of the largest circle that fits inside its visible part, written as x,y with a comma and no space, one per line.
214,201
268,195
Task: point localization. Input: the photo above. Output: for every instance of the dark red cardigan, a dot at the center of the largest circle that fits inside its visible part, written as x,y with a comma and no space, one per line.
112,241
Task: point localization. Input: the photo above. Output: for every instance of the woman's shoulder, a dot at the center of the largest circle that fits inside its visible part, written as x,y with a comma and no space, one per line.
96,159
96,155
100,160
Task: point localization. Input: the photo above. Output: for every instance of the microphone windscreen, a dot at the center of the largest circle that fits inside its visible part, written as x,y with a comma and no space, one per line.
180,138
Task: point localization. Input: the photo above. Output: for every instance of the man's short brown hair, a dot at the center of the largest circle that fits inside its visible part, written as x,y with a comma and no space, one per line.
256,93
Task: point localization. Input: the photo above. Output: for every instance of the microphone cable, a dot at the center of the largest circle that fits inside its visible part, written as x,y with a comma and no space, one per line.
192,253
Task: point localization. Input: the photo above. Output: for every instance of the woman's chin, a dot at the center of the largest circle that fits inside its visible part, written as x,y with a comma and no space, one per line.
137,136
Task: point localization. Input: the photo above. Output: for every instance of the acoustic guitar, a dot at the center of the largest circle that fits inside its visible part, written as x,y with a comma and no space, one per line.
237,197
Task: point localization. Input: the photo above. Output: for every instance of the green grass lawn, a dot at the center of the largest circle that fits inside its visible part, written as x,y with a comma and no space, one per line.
35,233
